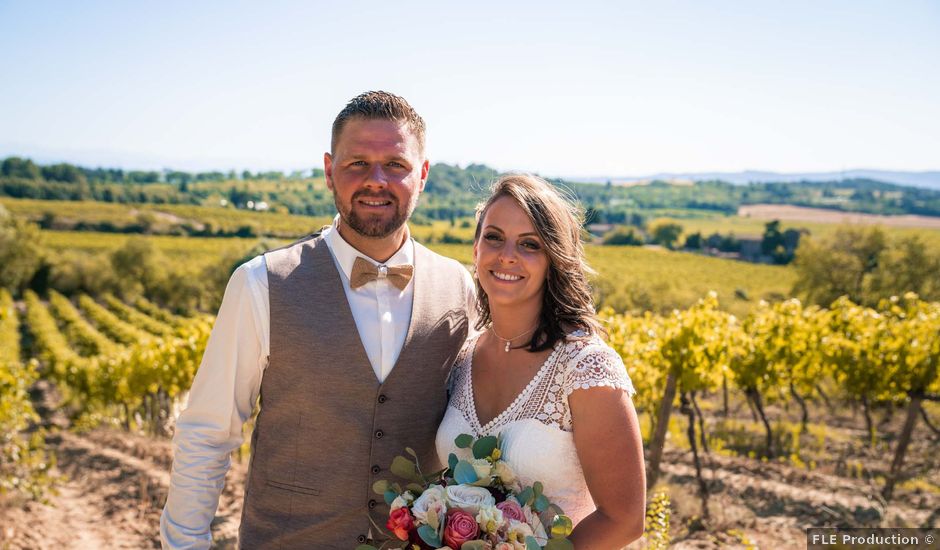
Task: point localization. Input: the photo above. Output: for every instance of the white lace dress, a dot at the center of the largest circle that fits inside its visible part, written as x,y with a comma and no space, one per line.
537,432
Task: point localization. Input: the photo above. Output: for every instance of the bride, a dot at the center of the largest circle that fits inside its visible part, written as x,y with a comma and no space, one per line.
540,375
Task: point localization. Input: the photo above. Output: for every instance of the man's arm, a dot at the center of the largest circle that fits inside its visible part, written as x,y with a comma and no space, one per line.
224,391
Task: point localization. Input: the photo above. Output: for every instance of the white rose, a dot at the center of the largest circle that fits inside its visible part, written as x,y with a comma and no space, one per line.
482,467
433,498
490,518
518,531
469,498
402,500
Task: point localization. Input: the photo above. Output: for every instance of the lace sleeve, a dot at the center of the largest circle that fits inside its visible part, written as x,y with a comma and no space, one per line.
596,364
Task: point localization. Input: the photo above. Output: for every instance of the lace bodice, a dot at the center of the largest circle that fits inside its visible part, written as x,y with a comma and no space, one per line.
579,363
537,426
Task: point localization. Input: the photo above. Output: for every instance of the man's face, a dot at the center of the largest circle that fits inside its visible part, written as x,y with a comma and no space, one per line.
376,173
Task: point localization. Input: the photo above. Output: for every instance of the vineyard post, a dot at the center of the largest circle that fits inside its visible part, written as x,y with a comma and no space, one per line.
909,422
662,425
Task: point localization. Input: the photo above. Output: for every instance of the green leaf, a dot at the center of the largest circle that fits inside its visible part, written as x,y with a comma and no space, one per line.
412,452
452,461
463,441
390,496
559,544
429,535
484,446
532,544
561,527
366,547
541,503
464,473
537,487
473,545
415,488
404,468
526,496
380,486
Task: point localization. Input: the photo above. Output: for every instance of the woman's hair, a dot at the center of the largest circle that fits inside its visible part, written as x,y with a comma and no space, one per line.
567,303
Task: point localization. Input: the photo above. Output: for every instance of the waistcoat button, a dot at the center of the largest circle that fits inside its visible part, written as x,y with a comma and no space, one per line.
361,538
376,469
372,504
379,434
382,398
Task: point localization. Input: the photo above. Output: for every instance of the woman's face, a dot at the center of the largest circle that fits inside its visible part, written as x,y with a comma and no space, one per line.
509,256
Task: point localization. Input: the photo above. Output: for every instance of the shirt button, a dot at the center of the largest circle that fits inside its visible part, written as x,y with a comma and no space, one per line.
382,398
379,434
376,469
372,504
361,538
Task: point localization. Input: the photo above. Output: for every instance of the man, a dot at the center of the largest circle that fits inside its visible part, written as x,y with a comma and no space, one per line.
348,336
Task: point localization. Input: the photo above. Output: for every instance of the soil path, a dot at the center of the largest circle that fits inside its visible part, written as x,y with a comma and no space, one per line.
112,495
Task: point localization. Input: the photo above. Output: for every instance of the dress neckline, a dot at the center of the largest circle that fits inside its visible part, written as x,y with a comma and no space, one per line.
474,417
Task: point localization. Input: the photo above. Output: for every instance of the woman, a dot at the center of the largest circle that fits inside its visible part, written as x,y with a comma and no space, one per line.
538,372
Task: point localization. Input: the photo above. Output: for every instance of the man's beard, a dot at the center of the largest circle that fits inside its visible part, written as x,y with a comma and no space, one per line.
374,227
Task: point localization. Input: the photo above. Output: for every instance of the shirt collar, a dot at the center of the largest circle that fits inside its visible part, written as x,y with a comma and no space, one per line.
346,254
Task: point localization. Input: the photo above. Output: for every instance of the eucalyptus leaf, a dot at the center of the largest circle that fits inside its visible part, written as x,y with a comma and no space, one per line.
463,441
526,496
537,487
433,520
484,446
380,486
390,496
473,545
532,544
366,547
464,473
406,469
561,527
541,503
412,452
429,535
559,544
415,488
452,461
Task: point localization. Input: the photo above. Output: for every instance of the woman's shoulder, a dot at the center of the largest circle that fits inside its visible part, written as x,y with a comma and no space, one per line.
591,362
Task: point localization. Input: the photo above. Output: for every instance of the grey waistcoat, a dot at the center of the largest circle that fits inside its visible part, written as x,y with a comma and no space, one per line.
327,429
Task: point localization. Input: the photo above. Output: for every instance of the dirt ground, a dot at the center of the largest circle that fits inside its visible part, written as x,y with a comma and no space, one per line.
822,215
116,484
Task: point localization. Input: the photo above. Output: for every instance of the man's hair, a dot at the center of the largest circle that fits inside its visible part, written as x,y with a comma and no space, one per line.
567,303
379,106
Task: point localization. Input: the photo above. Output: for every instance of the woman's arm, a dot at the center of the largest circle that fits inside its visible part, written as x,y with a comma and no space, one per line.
607,437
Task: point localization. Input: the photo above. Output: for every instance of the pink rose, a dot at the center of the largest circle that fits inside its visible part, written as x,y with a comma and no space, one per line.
400,522
460,528
511,509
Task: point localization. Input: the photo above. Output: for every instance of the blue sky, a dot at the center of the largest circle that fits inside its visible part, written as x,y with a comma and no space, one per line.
574,89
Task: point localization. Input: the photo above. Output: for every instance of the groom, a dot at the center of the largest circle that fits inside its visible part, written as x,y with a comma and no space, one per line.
347,336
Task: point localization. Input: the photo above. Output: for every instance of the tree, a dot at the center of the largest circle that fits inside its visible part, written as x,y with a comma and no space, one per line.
20,251
665,233
623,236
16,167
838,266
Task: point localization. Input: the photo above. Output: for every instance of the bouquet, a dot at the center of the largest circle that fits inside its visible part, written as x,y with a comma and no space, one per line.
473,504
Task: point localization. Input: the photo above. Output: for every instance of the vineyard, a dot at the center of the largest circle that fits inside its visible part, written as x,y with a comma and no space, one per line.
841,396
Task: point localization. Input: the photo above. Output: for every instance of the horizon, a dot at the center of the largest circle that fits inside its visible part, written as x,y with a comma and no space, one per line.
604,90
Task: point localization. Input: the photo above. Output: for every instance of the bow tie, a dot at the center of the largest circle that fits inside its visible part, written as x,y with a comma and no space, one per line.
364,271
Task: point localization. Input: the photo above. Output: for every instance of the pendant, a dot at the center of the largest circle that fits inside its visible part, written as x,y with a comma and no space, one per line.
507,346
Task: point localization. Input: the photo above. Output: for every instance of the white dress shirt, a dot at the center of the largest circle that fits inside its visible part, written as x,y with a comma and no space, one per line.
228,381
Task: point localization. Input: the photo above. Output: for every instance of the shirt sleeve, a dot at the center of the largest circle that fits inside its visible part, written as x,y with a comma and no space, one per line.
596,364
471,292
223,394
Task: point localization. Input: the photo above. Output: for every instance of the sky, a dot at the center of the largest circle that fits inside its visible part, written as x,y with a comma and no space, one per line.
563,89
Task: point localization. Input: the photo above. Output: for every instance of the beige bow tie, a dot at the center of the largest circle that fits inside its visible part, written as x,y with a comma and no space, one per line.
364,271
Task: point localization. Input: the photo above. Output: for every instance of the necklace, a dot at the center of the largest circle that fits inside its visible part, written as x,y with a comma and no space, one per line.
509,340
